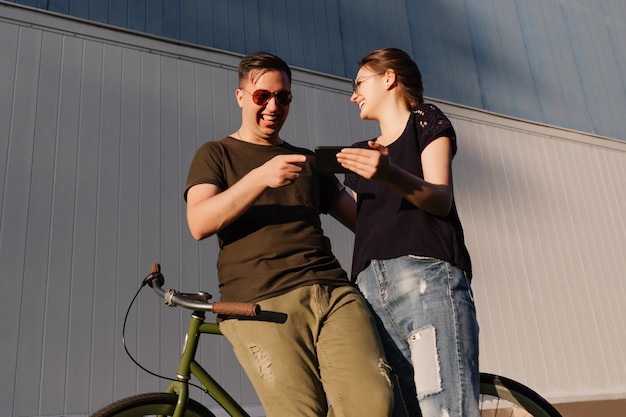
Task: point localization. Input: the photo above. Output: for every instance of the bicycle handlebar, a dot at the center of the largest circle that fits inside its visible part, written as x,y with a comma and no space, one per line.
196,301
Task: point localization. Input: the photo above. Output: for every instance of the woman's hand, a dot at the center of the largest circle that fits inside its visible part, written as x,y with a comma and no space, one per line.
372,164
433,193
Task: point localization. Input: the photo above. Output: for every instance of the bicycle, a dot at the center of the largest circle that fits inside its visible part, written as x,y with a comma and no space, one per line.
500,396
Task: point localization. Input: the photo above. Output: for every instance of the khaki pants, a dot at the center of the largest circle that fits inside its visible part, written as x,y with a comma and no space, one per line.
313,346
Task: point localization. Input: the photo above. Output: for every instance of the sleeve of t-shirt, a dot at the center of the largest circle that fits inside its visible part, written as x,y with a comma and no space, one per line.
206,168
431,124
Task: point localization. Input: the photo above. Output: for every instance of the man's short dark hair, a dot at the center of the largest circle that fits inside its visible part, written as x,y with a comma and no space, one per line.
258,63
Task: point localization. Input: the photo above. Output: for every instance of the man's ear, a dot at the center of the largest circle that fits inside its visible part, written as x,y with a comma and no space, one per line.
239,96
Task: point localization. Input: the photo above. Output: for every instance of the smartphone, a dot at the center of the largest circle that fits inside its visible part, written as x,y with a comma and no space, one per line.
326,157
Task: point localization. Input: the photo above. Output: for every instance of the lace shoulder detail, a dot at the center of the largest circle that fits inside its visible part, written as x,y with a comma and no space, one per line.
431,124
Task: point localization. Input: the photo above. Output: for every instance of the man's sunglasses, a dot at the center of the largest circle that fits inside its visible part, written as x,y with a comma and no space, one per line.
262,97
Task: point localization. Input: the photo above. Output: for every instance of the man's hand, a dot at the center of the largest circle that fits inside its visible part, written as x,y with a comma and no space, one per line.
281,170
210,209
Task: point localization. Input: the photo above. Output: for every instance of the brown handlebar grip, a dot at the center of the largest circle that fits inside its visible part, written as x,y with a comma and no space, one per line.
238,309
156,267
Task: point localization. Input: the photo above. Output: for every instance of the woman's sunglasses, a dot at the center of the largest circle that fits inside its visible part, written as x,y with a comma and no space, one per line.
356,83
262,97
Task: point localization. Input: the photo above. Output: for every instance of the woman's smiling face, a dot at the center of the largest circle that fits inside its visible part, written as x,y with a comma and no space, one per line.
368,87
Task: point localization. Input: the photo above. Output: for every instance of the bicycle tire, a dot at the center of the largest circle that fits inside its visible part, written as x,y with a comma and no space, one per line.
151,404
501,396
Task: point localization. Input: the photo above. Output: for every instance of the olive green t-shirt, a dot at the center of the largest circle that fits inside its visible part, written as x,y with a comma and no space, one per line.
278,244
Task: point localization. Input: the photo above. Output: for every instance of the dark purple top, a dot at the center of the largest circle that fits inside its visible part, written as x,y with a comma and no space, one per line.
388,226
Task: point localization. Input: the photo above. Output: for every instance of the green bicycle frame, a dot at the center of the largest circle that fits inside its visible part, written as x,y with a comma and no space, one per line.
189,366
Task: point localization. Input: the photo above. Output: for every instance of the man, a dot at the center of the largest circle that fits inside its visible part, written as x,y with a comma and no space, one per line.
316,343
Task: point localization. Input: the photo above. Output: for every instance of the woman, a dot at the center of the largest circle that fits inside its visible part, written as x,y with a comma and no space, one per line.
410,259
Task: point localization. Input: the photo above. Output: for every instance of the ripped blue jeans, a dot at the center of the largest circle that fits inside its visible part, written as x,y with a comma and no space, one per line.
425,312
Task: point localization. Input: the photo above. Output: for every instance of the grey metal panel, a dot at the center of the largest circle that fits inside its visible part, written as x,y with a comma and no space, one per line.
11,234
538,207
368,24
550,50
552,61
56,328
501,60
107,229
597,63
18,206
442,47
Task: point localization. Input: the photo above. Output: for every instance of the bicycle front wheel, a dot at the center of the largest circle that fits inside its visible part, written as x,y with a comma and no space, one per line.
151,404
500,397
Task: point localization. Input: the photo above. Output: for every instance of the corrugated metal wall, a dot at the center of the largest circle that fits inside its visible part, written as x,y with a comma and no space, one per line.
561,62
541,212
97,128
97,132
